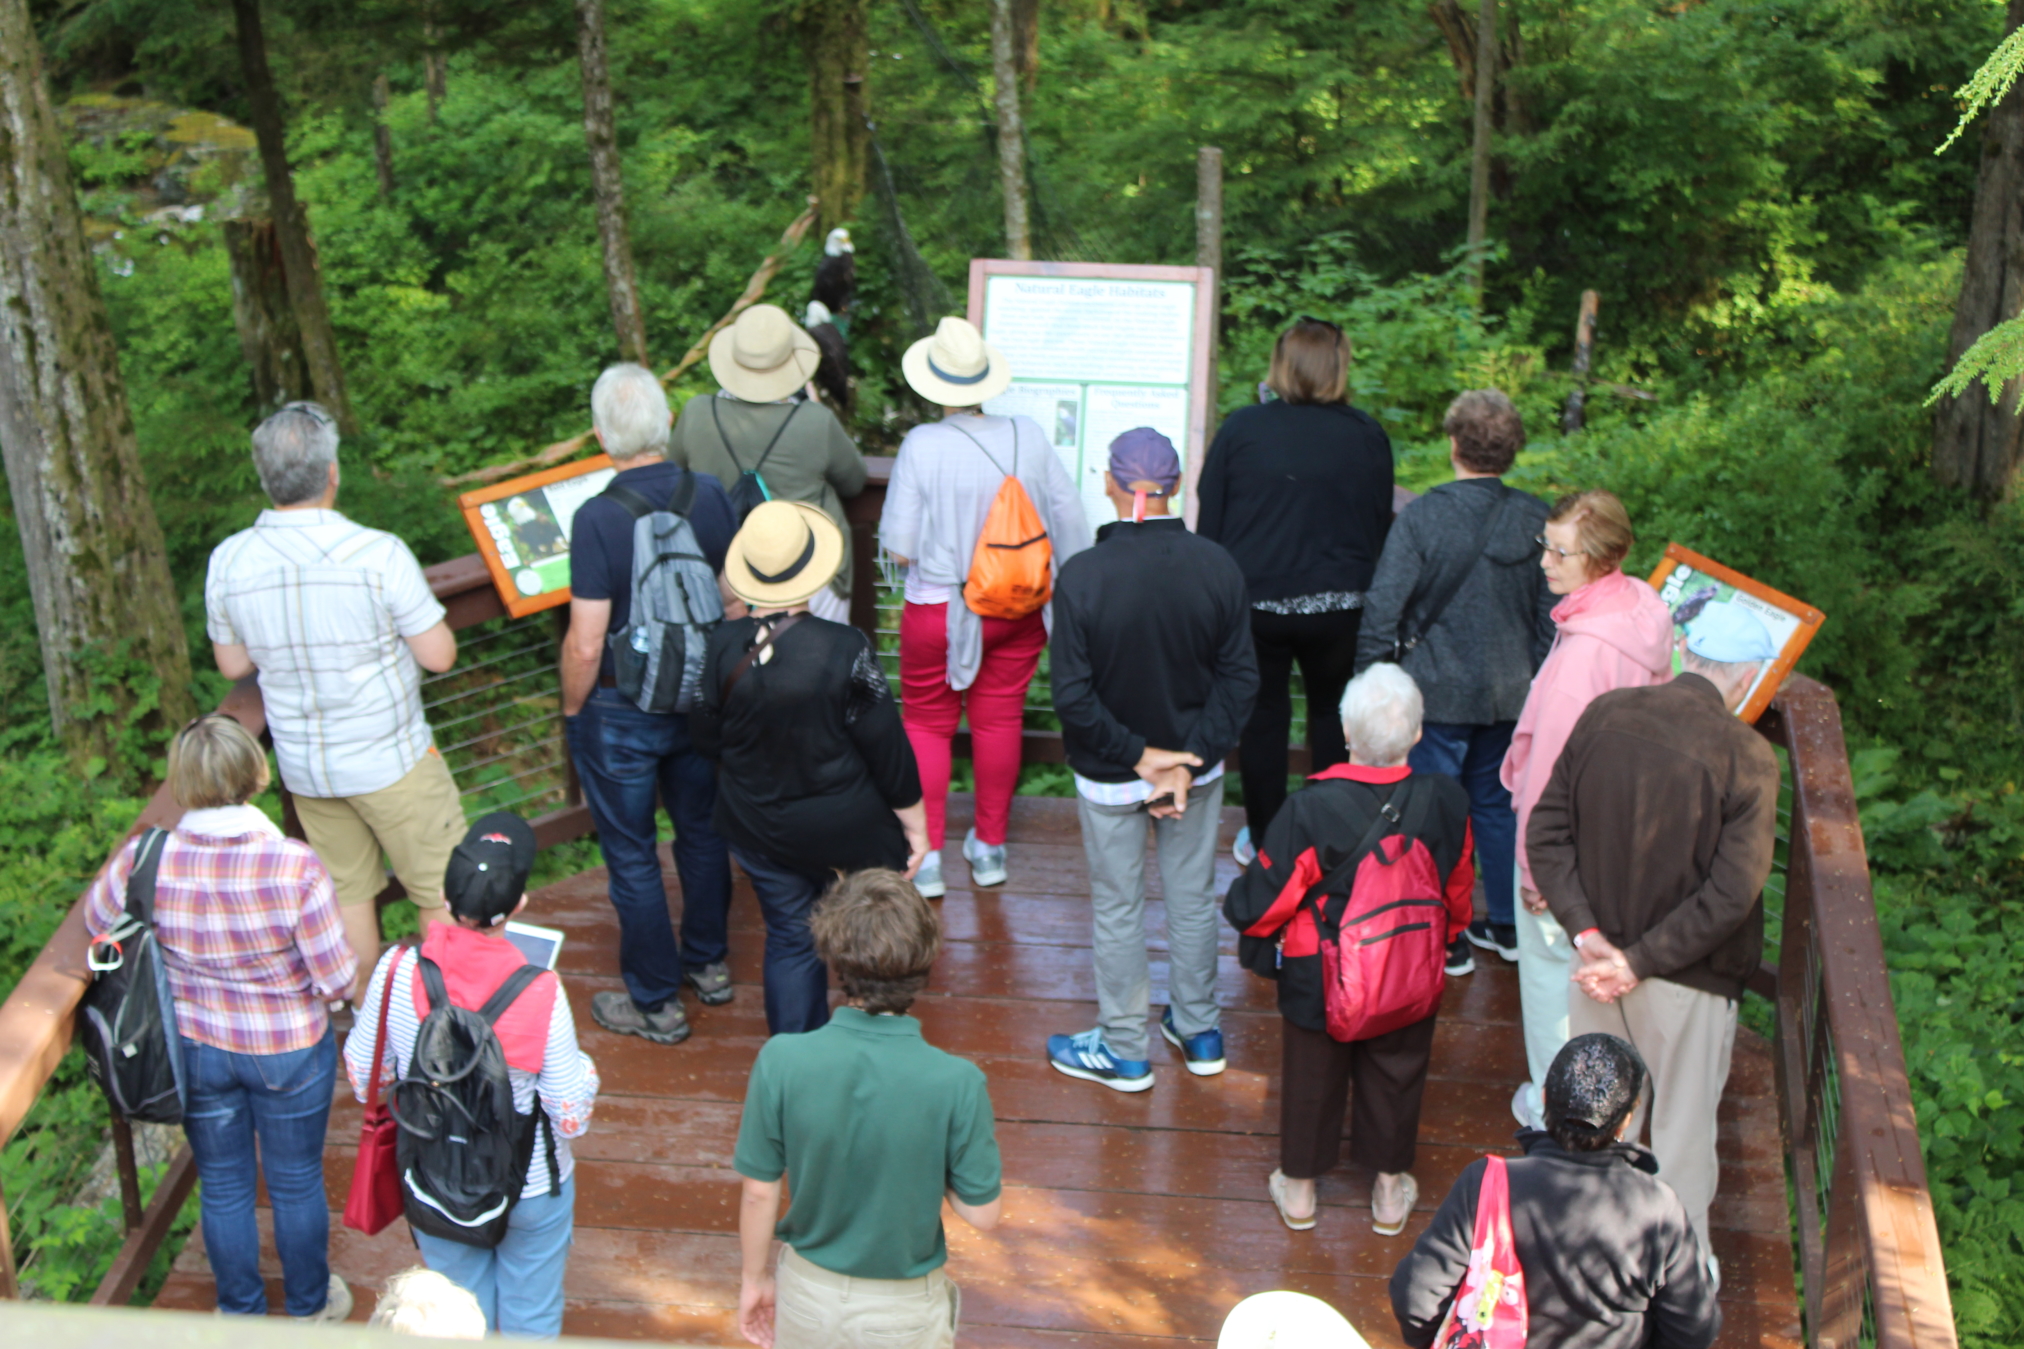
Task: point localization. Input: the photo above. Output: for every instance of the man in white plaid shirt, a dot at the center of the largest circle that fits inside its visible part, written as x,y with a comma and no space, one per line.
338,622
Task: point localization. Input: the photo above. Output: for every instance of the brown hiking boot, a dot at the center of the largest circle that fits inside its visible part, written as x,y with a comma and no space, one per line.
619,1014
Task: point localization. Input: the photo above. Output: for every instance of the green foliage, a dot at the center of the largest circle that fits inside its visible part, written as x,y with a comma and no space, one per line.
1989,84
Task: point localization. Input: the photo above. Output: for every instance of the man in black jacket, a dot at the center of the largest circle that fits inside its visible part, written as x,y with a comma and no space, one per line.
1154,676
1609,1258
1459,586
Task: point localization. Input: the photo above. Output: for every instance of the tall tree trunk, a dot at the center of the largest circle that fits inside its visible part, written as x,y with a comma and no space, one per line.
435,78
260,311
1026,41
1976,444
836,38
291,222
1011,134
607,184
1479,155
382,137
98,573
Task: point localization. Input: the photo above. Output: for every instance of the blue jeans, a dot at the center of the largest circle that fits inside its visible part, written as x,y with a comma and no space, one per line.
797,982
624,757
283,1100
1474,756
519,1281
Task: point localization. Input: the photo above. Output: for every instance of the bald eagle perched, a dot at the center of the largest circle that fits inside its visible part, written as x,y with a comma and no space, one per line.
836,275
832,375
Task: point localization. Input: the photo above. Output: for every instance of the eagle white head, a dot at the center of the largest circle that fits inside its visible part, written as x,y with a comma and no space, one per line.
838,243
818,312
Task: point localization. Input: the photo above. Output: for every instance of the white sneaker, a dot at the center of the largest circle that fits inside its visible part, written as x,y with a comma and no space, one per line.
928,880
987,863
336,1307
1528,1106
1243,851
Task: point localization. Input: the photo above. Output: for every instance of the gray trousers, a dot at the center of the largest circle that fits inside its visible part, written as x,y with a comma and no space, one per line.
1114,838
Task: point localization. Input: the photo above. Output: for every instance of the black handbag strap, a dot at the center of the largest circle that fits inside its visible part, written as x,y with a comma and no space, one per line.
763,454
1441,594
140,887
773,627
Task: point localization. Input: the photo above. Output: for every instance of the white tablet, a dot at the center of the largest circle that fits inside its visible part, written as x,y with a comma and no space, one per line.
540,945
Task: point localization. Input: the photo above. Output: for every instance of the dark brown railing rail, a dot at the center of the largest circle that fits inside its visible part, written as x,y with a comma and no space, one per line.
1869,1250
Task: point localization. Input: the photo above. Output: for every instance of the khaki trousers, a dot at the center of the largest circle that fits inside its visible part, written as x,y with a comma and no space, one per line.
416,823
1686,1038
815,1309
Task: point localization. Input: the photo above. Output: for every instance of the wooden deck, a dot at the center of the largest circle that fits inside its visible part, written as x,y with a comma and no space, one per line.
1130,1220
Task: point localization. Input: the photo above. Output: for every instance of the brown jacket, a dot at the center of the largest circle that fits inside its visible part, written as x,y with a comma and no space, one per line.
1657,827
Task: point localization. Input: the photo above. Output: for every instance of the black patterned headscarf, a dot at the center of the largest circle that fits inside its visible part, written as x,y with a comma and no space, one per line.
1593,1085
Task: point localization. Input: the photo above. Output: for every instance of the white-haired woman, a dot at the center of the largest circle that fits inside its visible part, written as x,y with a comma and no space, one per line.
1412,886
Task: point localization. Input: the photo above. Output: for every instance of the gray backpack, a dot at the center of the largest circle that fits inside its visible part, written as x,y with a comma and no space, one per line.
658,658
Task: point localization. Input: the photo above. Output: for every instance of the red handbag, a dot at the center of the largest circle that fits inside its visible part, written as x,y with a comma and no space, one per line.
375,1199
1489,1310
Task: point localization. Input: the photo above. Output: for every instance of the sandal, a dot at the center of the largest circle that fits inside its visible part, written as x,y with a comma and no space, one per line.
1412,1194
1275,1184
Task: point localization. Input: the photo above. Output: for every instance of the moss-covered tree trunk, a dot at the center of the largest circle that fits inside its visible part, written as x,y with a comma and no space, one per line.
291,222
607,184
262,314
113,647
836,39
1976,443
1011,131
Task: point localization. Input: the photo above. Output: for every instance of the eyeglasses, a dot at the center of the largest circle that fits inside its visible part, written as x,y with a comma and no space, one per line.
1561,553
1335,328
313,412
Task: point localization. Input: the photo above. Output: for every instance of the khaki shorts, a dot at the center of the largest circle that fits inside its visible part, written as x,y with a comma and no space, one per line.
815,1309
416,823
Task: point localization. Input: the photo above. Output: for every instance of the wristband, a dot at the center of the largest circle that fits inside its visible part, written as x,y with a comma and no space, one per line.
1585,933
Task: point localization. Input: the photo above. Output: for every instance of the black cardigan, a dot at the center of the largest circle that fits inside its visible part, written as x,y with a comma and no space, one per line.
812,757
1301,495
1152,646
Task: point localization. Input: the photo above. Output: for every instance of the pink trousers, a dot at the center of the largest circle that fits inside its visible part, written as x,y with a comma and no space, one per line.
995,702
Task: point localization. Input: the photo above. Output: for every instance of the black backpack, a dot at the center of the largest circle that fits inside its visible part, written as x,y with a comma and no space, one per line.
131,1048
750,491
463,1149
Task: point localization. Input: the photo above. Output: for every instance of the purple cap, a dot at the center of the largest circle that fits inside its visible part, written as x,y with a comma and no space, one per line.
1144,455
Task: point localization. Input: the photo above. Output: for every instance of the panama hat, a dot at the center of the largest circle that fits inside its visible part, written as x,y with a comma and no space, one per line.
763,357
956,368
1287,1320
785,552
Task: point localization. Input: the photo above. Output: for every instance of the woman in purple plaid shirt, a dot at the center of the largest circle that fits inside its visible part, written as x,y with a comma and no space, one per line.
254,950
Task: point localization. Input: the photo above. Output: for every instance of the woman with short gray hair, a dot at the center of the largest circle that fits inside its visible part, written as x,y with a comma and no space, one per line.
1391,855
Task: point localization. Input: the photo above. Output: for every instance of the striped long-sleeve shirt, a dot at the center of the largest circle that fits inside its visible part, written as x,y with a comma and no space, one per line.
567,1081
249,931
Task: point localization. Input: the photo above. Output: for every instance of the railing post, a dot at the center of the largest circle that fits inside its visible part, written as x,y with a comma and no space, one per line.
10,1284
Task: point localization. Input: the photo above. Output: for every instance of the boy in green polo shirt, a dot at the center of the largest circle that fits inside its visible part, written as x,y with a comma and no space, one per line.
875,1126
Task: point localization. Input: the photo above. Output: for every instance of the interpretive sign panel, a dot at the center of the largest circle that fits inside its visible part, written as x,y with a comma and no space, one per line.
522,529
1097,349
1687,583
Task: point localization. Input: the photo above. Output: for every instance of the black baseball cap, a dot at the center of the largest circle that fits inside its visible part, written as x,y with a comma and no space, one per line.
488,871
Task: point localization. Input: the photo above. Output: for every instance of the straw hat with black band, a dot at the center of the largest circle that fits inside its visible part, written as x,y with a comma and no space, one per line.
784,553
956,367
764,356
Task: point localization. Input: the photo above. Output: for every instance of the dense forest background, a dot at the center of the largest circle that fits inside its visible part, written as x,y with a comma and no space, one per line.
1751,186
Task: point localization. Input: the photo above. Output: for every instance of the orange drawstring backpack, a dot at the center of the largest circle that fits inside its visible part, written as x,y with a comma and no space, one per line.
1012,566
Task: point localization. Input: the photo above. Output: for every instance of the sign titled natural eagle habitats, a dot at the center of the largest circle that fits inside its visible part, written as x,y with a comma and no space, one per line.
1097,349
522,528
1687,583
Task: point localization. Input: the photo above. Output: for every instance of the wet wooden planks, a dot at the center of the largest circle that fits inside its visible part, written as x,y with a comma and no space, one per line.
1131,1220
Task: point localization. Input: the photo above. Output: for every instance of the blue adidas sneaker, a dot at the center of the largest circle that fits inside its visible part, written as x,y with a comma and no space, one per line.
1201,1054
1086,1056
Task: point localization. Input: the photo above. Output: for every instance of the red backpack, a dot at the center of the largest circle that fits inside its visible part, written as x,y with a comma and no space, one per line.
1384,935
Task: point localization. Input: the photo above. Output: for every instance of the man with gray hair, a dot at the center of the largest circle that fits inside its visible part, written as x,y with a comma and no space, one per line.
1375,857
1651,844
338,622
625,757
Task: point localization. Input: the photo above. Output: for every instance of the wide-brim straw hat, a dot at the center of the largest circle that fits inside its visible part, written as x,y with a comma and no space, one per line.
956,367
783,555
764,356
1289,1319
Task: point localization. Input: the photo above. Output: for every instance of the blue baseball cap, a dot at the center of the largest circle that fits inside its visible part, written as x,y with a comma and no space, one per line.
1144,455
1730,634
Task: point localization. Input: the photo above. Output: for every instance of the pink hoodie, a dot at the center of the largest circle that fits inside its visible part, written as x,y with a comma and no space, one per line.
1615,633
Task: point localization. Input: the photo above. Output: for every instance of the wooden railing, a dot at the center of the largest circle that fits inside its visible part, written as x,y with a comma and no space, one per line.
1869,1250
